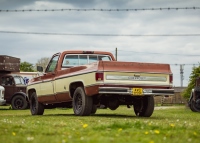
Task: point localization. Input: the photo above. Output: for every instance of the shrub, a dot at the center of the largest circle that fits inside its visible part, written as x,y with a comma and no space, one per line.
195,73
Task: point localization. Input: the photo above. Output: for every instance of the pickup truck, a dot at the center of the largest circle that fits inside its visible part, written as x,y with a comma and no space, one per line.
85,80
14,85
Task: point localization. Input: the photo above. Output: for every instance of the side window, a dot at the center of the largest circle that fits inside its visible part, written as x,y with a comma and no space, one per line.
104,58
92,58
70,61
7,81
19,80
83,59
3,80
52,64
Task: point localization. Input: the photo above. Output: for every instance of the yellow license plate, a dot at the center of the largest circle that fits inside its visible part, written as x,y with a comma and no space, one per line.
137,91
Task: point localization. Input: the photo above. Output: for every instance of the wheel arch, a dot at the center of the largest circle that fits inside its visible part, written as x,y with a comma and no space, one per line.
30,92
73,86
21,94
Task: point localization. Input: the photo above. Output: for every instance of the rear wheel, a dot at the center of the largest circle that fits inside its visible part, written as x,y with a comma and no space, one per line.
144,107
36,107
19,102
82,104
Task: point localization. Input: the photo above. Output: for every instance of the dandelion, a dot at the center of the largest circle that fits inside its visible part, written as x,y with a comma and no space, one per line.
85,125
30,138
69,137
172,125
120,129
146,133
151,142
13,133
156,131
195,133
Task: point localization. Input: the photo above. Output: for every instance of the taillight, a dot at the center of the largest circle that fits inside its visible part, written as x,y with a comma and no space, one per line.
171,78
99,76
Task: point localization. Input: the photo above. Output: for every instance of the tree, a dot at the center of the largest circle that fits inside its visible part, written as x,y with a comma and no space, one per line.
26,67
43,62
195,73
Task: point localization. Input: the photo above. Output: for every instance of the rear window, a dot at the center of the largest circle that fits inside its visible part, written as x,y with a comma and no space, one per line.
76,60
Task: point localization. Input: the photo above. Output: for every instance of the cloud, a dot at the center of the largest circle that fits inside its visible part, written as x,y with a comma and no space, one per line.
30,48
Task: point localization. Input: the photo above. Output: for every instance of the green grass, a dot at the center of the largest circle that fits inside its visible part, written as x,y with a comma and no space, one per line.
174,124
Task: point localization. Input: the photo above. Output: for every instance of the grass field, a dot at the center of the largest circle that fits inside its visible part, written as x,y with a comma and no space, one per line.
174,124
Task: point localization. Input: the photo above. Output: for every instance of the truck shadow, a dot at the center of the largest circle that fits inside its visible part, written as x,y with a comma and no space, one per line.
104,116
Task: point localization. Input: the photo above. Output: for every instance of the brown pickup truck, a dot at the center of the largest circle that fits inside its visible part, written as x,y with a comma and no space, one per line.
15,87
85,80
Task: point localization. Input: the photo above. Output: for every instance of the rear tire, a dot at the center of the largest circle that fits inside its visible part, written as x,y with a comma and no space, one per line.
82,104
19,102
36,107
144,107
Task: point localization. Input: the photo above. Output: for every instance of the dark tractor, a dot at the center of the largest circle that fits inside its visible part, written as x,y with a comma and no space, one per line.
194,101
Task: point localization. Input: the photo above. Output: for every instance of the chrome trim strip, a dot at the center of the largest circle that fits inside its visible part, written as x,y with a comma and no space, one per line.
136,78
134,85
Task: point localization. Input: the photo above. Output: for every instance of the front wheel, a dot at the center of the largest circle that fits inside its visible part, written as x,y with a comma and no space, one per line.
82,104
19,102
36,107
144,106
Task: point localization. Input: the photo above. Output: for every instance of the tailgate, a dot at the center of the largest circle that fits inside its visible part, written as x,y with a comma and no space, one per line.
137,74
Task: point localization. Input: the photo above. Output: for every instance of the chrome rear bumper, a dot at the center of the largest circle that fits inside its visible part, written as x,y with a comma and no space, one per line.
129,91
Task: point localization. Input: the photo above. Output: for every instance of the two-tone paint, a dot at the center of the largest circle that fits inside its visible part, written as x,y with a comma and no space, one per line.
117,78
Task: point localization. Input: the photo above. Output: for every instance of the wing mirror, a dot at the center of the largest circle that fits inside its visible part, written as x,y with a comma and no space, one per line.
39,68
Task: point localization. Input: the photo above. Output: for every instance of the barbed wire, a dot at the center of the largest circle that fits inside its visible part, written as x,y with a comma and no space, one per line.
102,9
102,35
173,54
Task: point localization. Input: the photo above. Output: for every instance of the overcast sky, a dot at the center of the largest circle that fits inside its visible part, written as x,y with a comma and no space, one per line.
174,50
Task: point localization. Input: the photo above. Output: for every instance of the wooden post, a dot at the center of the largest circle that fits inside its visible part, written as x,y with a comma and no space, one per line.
116,54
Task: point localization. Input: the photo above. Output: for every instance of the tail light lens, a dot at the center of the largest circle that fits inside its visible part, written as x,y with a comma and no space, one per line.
99,76
171,78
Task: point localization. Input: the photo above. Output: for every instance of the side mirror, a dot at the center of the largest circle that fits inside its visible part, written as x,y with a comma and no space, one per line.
39,68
